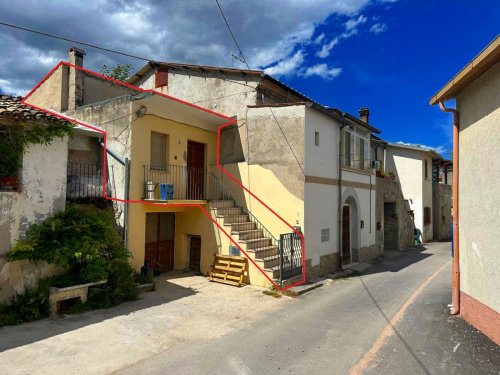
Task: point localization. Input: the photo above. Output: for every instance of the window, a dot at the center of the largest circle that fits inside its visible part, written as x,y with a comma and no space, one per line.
361,154
325,235
347,149
158,158
426,173
316,138
427,215
161,78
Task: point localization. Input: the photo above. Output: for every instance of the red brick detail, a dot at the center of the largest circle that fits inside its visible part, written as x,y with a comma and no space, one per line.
480,316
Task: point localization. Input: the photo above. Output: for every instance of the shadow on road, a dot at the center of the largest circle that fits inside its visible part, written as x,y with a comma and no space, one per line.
27,333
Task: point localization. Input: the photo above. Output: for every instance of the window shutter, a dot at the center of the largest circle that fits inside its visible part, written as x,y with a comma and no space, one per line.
161,78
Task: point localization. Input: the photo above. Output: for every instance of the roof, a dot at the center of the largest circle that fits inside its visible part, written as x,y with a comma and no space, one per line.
12,108
482,62
416,148
250,73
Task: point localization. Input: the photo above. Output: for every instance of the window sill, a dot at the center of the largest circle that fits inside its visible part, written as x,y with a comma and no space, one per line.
355,170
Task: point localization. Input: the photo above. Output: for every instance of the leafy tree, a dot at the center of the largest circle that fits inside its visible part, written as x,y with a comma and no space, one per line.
121,72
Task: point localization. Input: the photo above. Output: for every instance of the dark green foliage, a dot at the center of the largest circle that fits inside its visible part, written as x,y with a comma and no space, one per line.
119,71
14,140
82,239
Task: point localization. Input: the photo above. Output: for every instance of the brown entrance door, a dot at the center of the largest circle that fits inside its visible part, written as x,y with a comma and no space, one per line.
194,253
159,247
346,235
195,170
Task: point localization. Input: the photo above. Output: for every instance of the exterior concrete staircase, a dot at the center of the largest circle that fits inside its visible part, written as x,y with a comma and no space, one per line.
251,236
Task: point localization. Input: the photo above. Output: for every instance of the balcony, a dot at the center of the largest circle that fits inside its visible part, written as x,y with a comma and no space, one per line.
83,181
356,162
174,182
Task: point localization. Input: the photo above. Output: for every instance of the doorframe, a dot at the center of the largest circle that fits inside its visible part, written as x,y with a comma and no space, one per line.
188,263
350,233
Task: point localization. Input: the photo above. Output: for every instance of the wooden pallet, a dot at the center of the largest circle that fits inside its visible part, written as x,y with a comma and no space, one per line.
228,269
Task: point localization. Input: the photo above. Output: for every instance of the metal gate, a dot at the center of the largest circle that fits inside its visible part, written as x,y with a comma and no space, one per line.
290,256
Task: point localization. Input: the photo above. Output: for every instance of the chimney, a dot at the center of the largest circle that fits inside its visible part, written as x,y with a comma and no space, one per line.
75,79
364,114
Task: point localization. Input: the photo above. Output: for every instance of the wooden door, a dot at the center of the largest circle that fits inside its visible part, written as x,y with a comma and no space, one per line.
195,170
346,235
159,247
194,253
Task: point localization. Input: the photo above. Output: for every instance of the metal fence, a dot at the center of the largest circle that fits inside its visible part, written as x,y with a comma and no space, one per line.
83,181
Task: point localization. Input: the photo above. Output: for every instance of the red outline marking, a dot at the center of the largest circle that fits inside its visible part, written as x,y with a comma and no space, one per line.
230,122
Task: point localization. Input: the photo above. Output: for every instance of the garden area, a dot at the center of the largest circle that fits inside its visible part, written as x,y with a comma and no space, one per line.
83,241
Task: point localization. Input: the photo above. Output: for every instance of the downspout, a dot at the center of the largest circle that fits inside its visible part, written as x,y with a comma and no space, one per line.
126,163
339,228
455,309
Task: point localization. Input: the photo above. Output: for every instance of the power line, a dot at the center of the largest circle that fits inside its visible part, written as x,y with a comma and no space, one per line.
72,41
232,35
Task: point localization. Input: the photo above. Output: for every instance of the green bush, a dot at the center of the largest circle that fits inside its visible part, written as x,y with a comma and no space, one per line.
83,239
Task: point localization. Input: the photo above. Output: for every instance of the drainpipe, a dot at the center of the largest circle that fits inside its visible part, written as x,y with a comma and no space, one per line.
339,229
455,309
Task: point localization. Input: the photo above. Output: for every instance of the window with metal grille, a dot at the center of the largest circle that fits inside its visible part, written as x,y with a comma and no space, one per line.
325,235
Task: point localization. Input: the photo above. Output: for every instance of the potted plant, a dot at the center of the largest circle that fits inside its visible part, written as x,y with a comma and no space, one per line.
392,176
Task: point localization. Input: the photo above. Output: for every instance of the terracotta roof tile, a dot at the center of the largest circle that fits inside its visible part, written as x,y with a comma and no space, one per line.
11,107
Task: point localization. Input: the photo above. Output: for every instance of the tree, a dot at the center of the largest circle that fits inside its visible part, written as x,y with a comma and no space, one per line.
119,71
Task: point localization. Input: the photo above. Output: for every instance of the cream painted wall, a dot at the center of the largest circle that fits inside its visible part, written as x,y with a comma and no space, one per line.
43,193
479,181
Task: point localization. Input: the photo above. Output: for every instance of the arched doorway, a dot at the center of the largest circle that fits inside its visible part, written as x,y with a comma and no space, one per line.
350,230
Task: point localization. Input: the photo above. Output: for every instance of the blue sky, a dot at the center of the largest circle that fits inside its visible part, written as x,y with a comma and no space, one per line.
388,55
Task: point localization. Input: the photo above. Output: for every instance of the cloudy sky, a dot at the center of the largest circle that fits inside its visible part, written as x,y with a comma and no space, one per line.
388,55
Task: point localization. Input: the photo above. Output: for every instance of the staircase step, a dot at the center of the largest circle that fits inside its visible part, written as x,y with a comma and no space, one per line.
236,227
269,262
221,203
228,211
257,242
248,234
265,251
232,219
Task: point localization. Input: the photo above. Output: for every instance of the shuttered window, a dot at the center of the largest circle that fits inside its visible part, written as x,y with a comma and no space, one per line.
161,78
158,157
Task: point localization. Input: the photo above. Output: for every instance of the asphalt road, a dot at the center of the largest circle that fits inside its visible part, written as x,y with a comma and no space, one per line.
345,327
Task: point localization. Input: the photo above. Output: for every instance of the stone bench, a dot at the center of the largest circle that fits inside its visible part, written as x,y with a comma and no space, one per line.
56,295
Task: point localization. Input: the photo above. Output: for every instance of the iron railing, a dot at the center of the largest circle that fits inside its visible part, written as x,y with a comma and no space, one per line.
290,255
284,256
168,182
83,181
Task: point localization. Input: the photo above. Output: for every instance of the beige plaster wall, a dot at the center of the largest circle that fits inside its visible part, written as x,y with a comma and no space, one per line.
43,193
479,180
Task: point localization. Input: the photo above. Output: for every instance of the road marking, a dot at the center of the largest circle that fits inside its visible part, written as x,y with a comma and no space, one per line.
456,347
388,330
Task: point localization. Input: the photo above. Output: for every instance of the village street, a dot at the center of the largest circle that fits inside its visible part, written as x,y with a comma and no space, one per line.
190,326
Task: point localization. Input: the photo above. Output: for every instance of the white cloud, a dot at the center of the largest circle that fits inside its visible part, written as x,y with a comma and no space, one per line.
322,70
287,66
326,48
378,28
269,33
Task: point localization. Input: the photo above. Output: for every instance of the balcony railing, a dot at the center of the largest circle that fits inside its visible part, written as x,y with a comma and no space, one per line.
172,182
83,181
354,161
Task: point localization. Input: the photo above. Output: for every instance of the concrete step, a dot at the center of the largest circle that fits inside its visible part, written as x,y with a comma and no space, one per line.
249,234
268,262
262,252
228,211
256,243
222,204
237,227
232,219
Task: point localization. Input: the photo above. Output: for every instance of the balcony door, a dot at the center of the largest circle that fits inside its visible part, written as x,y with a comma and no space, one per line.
195,170
159,247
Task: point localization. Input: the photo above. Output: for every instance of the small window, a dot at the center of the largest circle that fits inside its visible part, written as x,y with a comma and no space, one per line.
158,158
427,215
325,235
316,138
426,173
161,78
